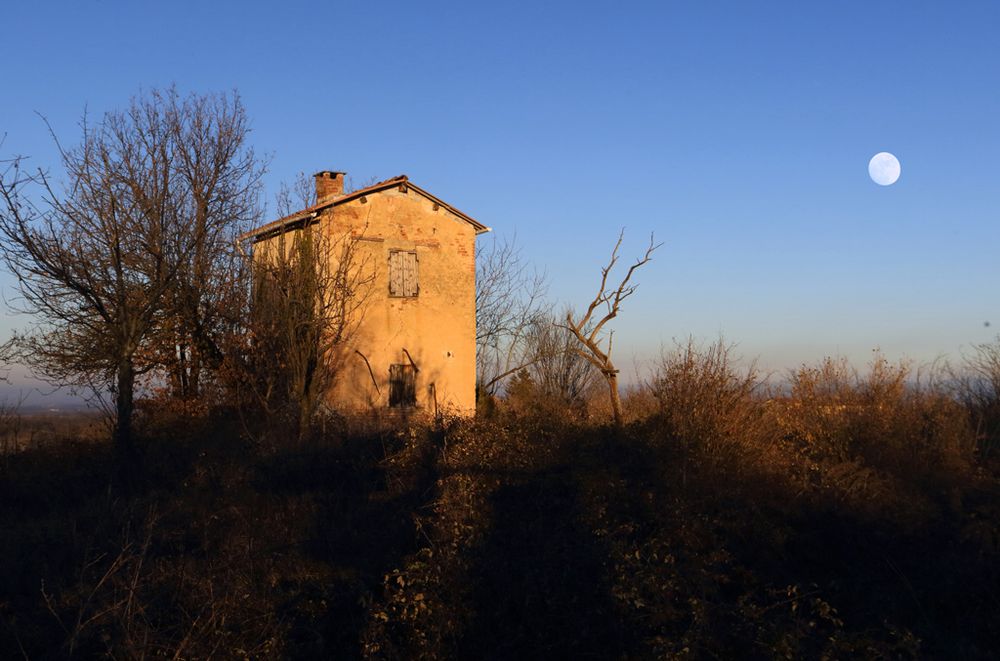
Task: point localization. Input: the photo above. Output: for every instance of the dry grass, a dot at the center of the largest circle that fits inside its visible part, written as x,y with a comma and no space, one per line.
22,430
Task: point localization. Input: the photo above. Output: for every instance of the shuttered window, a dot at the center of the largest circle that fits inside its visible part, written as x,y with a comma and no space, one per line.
403,273
402,385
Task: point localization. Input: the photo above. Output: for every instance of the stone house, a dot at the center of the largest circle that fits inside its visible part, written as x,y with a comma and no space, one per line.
415,343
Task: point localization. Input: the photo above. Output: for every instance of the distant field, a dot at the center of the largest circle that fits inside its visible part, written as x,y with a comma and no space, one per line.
37,427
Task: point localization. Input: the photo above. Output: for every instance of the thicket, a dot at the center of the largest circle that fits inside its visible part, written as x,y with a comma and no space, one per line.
848,514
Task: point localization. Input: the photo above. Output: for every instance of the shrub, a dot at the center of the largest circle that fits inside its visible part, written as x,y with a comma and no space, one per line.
977,386
883,418
706,402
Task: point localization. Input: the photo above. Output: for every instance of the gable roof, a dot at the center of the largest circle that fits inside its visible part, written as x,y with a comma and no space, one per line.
292,220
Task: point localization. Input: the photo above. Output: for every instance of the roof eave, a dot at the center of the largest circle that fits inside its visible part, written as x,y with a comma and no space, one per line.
282,224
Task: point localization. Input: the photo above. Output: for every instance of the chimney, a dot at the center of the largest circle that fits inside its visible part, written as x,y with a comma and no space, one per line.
329,185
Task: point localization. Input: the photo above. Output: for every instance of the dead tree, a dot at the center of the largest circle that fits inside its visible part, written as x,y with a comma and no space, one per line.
588,331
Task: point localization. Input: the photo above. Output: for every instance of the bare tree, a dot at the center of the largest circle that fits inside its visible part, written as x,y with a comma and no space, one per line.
98,261
587,329
509,303
218,182
8,351
558,370
308,299
301,194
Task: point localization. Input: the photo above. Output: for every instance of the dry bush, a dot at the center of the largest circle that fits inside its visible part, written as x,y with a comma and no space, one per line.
977,385
310,291
884,419
529,396
708,404
811,416
882,444
559,372
134,599
639,403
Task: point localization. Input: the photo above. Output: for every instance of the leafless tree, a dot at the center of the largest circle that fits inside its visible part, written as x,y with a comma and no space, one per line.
301,193
509,303
309,297
8,351
218,184
587,329
99,261
558,370
298,195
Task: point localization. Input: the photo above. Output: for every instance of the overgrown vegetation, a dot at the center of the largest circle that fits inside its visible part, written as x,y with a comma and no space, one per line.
854,514
308,298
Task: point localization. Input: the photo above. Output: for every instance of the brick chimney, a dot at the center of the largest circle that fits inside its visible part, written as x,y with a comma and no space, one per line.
329,185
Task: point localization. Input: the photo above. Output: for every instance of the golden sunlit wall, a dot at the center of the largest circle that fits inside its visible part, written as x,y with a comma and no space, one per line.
426,324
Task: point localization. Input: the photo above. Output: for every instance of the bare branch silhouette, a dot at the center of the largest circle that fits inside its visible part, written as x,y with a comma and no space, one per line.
587,331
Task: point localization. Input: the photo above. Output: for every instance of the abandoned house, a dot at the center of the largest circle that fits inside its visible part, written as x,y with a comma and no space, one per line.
414,344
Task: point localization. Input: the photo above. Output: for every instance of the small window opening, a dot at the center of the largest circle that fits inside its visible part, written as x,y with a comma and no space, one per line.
402,385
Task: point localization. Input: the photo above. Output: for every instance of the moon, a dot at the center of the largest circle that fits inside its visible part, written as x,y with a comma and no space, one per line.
884,168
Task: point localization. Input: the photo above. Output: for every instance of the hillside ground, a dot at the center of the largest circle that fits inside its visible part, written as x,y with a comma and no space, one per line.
758,528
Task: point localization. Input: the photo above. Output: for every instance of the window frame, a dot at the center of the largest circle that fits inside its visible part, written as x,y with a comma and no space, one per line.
402,385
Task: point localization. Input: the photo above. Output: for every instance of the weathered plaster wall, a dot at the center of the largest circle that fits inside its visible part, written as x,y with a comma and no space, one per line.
437,327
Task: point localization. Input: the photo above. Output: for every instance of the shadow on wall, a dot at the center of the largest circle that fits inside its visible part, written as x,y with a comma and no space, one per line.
409,387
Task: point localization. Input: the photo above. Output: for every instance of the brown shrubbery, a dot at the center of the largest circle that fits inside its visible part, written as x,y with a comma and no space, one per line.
848,514
705,402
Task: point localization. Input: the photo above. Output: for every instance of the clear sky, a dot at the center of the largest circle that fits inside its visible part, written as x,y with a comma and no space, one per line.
740,133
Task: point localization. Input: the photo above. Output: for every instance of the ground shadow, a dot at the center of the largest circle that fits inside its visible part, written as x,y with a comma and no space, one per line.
540,579
362,527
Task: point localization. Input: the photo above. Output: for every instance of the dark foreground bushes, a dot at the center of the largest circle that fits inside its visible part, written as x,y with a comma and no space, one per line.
851,516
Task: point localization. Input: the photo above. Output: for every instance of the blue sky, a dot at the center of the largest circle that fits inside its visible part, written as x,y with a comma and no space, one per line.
739,133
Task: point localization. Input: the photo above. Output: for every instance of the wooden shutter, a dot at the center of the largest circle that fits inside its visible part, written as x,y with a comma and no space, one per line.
395,274
410,287
403,273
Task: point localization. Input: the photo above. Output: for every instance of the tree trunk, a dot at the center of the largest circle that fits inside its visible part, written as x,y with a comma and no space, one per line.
180,372
194,375
124,406
616,401
304,422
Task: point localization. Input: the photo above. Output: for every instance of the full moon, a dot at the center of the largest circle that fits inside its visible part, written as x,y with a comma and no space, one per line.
884,168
